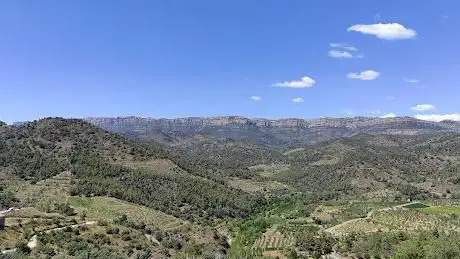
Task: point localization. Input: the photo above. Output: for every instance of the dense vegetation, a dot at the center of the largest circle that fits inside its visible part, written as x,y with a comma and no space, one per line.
6,197
199,178
182,195
39,150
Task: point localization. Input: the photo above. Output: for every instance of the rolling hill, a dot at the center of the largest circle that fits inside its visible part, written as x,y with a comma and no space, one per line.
104,163
169,187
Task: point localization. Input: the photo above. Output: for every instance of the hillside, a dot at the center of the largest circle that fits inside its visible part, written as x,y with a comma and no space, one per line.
365,165
216,191
378,166
282,132
359,157
104,163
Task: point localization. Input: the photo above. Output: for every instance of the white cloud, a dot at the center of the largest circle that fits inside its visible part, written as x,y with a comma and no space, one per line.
390,98
438,117
423,107
411,80
385,31
340,54
303,83
256,98
388,115
343,50
365,75
298,100
343,46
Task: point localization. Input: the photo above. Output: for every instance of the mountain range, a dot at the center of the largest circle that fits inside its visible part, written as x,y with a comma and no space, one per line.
281,132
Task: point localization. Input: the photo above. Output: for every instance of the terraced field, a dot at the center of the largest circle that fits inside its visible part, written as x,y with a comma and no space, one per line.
54,189
408,218
21,224
273,240
252,186
269,170
107,208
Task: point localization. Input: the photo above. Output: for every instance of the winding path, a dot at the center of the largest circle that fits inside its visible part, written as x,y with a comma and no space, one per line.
32,243
33,240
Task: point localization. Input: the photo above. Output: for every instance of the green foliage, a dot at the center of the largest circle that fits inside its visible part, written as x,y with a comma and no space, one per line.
65,209
427,245
416,206
181,195
380,244
7,198
21,247
42,149
315,245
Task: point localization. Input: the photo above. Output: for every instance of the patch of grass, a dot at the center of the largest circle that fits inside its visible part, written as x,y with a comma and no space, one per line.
52,190
252,186
416,206
269,170
26,213
441,210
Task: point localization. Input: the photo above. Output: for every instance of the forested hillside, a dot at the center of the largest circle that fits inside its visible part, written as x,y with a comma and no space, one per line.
195,183
240,196
100,163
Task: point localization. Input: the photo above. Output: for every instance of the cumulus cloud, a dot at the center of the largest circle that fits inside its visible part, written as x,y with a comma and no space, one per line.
385,31
304,82
411,80
423,107
388,115
297,100
343,50
343,46
340,54
256,98
365,75
438,117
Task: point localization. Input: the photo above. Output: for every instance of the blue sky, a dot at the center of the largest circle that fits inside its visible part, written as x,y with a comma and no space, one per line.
174,58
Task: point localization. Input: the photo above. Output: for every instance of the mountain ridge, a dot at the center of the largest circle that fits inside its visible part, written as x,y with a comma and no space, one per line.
272,132
261,122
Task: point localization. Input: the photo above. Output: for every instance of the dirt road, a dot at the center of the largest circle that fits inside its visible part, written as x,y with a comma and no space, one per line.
33,240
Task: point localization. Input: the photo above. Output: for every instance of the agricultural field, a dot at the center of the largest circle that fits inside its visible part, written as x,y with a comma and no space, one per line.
22,224
106,208
415,217
44,193
269,170
251,186
446,210
416,206
273,239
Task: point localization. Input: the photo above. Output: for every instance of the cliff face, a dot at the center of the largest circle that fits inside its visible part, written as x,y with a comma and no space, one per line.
266,131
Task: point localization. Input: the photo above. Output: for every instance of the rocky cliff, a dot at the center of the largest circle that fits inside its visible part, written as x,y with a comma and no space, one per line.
268,131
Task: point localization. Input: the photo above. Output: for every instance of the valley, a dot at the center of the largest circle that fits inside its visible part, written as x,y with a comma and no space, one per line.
229,187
